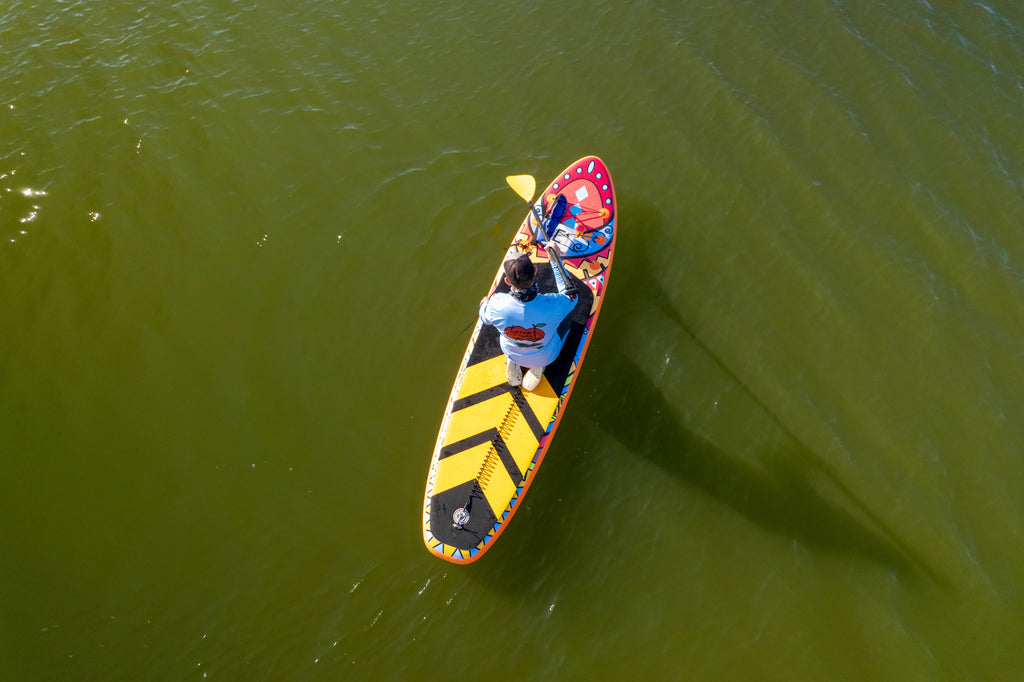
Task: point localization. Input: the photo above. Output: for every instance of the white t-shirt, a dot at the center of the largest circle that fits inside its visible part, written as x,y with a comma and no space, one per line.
528,331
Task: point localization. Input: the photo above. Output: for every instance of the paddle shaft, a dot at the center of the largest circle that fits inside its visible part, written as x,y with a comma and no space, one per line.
562,278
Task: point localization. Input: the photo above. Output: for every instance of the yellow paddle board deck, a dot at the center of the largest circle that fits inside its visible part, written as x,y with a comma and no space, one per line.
494,436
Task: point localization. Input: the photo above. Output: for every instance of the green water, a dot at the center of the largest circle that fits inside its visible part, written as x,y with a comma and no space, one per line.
238,241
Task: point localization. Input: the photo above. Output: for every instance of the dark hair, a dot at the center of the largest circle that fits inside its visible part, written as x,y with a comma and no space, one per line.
520,271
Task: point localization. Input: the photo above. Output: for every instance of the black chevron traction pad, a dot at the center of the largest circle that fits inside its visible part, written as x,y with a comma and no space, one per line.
481,518
469,495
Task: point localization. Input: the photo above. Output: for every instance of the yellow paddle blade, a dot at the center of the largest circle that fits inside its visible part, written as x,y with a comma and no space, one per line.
524,185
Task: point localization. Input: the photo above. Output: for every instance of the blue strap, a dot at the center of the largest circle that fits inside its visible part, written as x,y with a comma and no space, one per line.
557,211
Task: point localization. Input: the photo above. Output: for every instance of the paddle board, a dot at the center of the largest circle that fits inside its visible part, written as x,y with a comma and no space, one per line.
493,436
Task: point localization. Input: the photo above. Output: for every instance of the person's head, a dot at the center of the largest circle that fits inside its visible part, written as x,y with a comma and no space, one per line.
520,271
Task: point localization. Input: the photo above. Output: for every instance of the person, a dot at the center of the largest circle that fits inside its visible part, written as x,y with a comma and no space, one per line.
529,323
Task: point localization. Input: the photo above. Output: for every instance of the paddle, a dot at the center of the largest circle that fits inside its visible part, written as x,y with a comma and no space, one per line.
525,186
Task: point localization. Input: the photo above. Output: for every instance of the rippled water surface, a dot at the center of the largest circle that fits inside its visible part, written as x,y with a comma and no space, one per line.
238,241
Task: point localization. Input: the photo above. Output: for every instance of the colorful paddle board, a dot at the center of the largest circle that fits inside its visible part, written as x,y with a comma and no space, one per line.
493,436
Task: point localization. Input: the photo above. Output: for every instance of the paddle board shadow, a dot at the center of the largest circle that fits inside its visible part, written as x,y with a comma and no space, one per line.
783,494
780,495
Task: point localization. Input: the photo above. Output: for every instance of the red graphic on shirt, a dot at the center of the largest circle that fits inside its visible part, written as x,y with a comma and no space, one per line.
517,333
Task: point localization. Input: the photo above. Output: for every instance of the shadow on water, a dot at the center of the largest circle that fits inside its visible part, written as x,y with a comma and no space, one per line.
782,495
793,492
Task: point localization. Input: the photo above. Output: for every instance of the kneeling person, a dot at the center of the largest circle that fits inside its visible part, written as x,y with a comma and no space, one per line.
528,322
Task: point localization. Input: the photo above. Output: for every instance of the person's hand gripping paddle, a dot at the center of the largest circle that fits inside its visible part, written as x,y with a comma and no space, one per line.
525,186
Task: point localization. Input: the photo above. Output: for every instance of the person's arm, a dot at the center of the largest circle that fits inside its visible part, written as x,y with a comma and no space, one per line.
487,312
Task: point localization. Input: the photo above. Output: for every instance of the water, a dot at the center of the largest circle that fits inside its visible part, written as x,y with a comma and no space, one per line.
238,242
